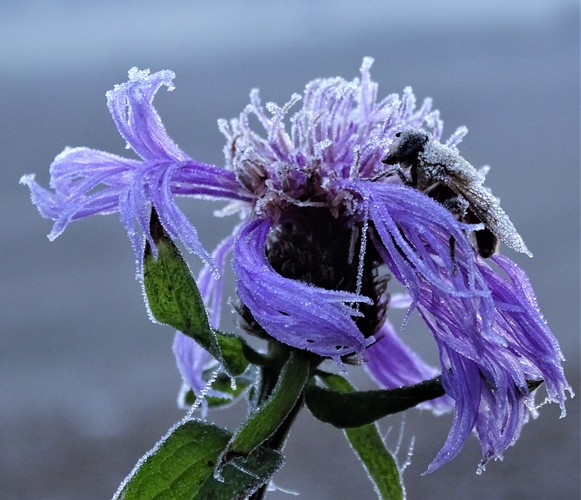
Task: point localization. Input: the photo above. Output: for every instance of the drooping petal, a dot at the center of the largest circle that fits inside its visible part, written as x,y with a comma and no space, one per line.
89,182
473,373
78,170
489,380
416,232
131,106
520,322
212,286
295,313
85,181
465,391
173,220
491,336
394,364
191,360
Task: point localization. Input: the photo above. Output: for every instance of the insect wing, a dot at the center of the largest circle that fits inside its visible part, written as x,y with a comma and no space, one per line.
487,208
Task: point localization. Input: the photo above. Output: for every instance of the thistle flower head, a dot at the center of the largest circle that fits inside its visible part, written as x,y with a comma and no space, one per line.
324,228
337,130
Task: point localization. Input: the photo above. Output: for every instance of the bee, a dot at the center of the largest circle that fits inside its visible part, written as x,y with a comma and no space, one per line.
442,174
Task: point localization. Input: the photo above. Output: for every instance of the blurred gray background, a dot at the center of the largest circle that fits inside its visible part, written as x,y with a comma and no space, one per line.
88,384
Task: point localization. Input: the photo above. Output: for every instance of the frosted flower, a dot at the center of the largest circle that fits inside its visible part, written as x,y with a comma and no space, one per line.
88,182
322,233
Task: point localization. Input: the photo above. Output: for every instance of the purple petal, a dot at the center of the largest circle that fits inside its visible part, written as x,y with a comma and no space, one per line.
137,120
489,330
488,381
465,391
78,170
295,313
191,360
524,329
88,182
341,131
415,234
212,286
171,217
75,181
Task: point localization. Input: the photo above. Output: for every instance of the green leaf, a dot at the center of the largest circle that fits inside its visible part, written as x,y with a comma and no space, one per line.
371,450
223,384
272,413
238,352
183,467
174,299
234,352
354,409
172,293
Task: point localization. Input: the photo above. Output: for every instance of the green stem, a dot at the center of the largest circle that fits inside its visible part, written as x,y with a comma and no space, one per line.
278,440
270,371
269,377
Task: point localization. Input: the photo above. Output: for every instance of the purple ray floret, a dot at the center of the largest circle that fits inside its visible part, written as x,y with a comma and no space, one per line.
87,182
298,314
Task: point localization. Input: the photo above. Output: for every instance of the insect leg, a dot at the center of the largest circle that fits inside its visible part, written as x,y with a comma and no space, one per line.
453,255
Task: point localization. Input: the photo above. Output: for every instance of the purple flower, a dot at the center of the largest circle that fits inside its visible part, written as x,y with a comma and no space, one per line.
88,182
323,230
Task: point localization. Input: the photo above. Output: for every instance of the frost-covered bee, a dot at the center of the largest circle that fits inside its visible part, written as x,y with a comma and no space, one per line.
444,175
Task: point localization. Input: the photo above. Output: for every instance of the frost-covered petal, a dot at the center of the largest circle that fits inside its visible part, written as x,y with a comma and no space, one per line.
415,232
192,361
394,364
295,313
78,170
173,220
471,370
211,285
488,380
131,106
342,131
88,182
465,391
85,181
489,331
520,322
